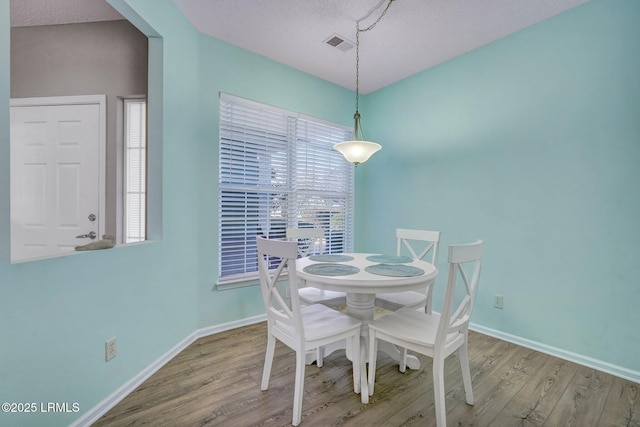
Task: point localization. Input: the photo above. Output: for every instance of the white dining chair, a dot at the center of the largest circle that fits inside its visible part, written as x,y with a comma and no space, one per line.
418,244
310,241
300,328
438,334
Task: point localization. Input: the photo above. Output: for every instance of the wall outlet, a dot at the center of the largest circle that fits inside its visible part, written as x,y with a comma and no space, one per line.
110,349
497,301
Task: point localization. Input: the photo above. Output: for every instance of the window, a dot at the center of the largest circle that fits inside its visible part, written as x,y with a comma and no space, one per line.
278,169
135,159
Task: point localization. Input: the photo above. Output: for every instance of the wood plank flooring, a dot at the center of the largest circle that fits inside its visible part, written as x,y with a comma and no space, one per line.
216,382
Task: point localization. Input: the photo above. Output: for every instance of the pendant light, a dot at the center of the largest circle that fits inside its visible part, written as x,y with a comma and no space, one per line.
359,150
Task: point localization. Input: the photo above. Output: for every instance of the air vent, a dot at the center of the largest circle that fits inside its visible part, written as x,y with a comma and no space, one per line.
339,42
334,41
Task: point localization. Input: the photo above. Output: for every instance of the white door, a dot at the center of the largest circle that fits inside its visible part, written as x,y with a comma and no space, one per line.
57,174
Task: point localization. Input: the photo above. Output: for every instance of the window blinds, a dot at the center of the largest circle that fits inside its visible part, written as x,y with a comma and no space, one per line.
278,170
135,170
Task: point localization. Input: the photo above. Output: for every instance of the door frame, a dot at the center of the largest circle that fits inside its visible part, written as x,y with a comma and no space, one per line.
101,102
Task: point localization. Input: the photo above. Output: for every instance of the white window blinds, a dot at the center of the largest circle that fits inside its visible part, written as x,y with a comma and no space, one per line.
278,170
135,159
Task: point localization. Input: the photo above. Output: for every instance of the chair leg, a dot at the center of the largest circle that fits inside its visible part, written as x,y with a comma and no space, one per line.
268,361
463,355
438,389
298,388
320,356
373,356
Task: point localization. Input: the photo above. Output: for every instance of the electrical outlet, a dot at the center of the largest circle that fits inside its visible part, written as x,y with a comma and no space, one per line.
497,301
110,349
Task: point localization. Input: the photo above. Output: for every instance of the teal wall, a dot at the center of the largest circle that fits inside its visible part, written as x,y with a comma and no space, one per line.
55,315
531,143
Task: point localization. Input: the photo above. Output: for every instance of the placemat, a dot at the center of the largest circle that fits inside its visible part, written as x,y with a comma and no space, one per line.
394,270
329,269
331,258
389,259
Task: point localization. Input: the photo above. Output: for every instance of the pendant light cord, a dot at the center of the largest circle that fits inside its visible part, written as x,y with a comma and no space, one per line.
358,31
359,150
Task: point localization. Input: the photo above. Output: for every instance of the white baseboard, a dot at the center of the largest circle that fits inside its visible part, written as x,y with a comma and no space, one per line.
94,414
596,364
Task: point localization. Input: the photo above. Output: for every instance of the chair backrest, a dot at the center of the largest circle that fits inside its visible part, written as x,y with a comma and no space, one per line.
308,240
463,259
423,240
284,254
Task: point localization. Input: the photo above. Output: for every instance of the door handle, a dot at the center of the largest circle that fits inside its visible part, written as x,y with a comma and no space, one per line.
91,235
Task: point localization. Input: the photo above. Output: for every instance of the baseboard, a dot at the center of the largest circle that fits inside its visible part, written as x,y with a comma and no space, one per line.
94,414
596,364
210,330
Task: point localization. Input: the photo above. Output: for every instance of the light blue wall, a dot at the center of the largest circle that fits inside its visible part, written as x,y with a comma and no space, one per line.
531,143
55,315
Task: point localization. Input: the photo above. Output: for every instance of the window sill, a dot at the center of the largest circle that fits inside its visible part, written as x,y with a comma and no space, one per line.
226,284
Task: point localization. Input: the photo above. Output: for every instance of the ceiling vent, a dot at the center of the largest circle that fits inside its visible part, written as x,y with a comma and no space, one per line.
339,42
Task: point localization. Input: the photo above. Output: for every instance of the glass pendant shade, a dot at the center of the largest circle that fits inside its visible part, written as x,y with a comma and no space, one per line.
357,152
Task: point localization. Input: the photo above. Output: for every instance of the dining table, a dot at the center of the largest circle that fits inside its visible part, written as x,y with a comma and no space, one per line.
361,276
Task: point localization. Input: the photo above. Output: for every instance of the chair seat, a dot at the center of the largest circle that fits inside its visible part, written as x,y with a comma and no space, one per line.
413,326
395,300
310,295
320,321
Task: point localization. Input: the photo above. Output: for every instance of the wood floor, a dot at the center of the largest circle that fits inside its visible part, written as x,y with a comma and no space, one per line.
216,381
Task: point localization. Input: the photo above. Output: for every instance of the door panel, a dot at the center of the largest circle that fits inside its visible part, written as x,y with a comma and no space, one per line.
56,154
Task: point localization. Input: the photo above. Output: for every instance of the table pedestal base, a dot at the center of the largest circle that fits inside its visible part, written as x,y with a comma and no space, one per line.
362,306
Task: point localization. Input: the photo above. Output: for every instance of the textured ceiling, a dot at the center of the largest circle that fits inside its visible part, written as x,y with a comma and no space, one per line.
413,35
28,13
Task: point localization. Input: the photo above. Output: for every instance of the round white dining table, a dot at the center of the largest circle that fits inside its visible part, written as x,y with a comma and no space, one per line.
362,286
